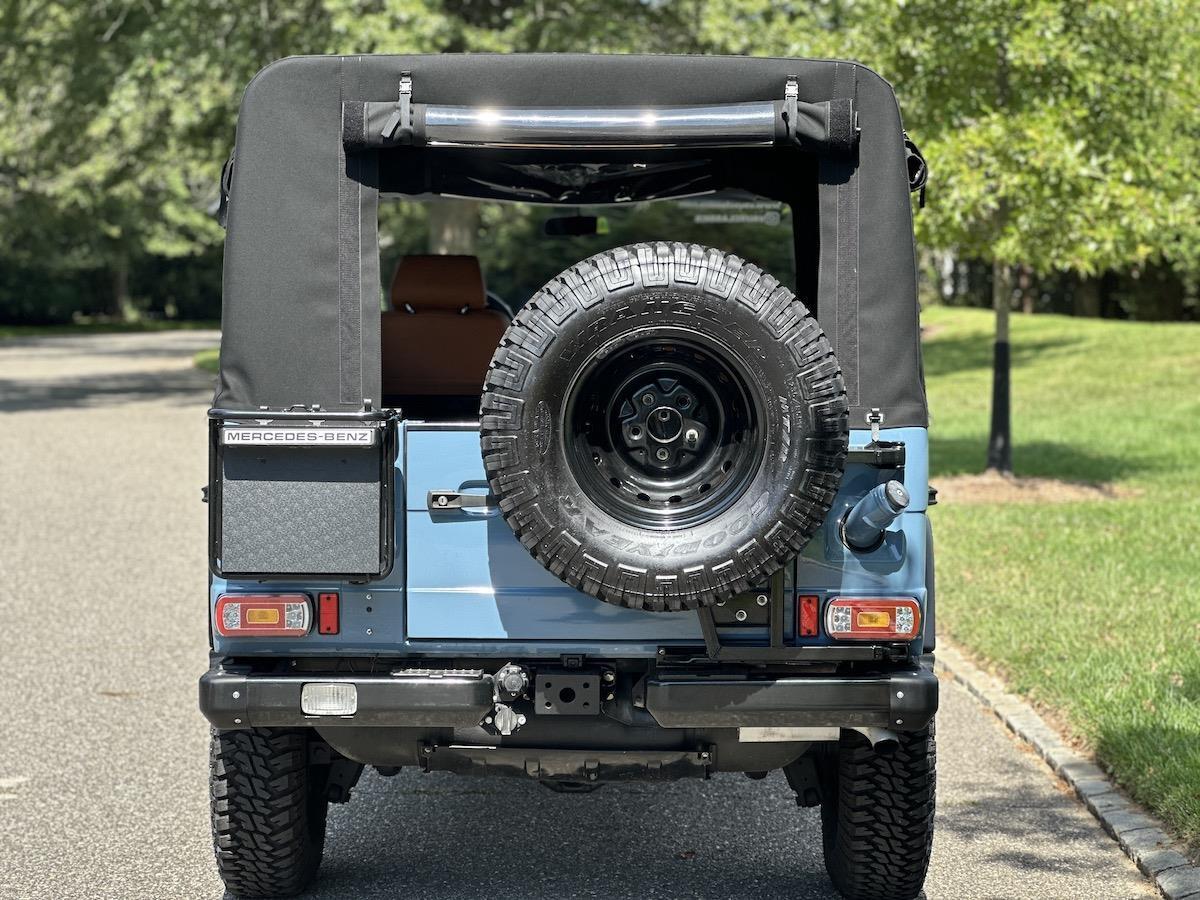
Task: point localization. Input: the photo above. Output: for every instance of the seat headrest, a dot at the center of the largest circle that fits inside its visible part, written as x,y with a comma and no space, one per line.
438,282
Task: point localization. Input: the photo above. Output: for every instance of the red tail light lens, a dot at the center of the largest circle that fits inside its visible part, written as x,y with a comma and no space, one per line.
327,613
873,618
263,615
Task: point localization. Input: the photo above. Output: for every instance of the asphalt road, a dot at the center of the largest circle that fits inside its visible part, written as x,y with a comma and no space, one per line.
103,755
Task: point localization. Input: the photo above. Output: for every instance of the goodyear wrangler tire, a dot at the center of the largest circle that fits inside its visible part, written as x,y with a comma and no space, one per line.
664,426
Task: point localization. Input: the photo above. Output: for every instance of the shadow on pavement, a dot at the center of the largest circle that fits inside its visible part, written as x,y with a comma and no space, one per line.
442,836
105,389
1014,824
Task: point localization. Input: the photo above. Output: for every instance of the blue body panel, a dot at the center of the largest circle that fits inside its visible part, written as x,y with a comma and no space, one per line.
463,585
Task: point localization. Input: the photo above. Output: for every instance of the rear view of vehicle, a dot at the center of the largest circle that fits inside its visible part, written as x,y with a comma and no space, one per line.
636,493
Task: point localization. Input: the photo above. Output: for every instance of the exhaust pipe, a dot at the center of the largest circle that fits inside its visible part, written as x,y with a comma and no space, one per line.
883,741
863,527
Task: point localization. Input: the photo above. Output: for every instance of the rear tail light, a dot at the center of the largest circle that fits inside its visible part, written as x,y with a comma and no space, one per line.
263,615
872,618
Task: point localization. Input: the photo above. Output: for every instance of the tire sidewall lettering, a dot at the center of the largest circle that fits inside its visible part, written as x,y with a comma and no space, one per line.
668,561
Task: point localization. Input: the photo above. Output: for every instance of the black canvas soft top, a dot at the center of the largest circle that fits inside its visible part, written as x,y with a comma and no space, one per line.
301,288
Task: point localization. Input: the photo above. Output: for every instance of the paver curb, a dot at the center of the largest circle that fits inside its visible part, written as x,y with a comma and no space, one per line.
1142,838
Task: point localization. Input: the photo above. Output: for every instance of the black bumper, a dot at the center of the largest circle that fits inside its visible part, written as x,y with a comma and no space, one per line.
437,700
900,701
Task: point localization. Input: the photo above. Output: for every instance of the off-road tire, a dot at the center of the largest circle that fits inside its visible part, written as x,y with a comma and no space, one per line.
268,811
877,816
602,302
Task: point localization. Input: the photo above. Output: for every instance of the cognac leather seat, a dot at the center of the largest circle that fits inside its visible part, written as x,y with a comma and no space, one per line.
439,335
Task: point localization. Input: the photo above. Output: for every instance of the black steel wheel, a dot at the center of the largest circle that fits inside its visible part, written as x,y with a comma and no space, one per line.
664,425
663,433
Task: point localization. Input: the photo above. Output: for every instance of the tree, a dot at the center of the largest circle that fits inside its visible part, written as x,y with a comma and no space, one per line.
1059,136
119,113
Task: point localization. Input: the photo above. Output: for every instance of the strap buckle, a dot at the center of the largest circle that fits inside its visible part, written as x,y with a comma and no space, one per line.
402,117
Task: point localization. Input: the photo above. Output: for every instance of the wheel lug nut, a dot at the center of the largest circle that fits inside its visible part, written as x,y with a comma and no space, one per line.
662,453
684,401
647,399
692,435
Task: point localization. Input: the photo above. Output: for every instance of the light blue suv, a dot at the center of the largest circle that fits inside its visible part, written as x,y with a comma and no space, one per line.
667,520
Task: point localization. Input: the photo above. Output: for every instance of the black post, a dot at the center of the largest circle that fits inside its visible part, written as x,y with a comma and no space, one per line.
999,452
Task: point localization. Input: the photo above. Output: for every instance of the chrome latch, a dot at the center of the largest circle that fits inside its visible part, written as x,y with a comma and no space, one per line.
874,418
438,501
402,117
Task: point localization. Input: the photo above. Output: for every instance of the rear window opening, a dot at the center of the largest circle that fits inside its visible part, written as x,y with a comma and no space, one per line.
457,269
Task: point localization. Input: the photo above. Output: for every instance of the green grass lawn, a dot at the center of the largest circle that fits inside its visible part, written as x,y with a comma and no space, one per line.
1090,608
207,359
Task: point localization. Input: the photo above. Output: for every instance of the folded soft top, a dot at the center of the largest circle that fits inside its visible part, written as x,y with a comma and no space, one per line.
317,135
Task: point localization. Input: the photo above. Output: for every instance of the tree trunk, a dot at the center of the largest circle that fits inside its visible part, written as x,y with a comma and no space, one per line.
121,305
999,452
1027,288
1087,297
453,226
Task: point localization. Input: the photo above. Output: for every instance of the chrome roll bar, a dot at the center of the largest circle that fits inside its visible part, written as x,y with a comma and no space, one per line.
828,126
727,125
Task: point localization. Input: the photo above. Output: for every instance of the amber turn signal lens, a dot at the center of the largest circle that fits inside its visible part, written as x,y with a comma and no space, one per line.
874,619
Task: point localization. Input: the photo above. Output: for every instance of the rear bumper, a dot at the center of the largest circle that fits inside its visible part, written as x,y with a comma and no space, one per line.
437,700
900,701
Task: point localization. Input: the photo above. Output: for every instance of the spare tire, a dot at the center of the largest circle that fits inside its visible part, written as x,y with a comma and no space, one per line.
664,426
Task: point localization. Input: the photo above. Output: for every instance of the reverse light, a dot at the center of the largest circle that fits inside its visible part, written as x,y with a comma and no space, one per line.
329,699
263,615
872,618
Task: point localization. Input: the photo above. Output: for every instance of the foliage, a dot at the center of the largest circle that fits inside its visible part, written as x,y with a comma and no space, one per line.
1061,135
1090,607
208,360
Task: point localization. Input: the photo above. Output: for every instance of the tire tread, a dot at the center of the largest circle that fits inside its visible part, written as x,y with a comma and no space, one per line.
583,565
267,833
878,841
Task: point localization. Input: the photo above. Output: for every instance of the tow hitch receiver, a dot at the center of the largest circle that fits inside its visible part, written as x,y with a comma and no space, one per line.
562,693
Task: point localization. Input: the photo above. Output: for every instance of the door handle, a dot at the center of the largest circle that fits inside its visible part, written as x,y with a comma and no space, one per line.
470,504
